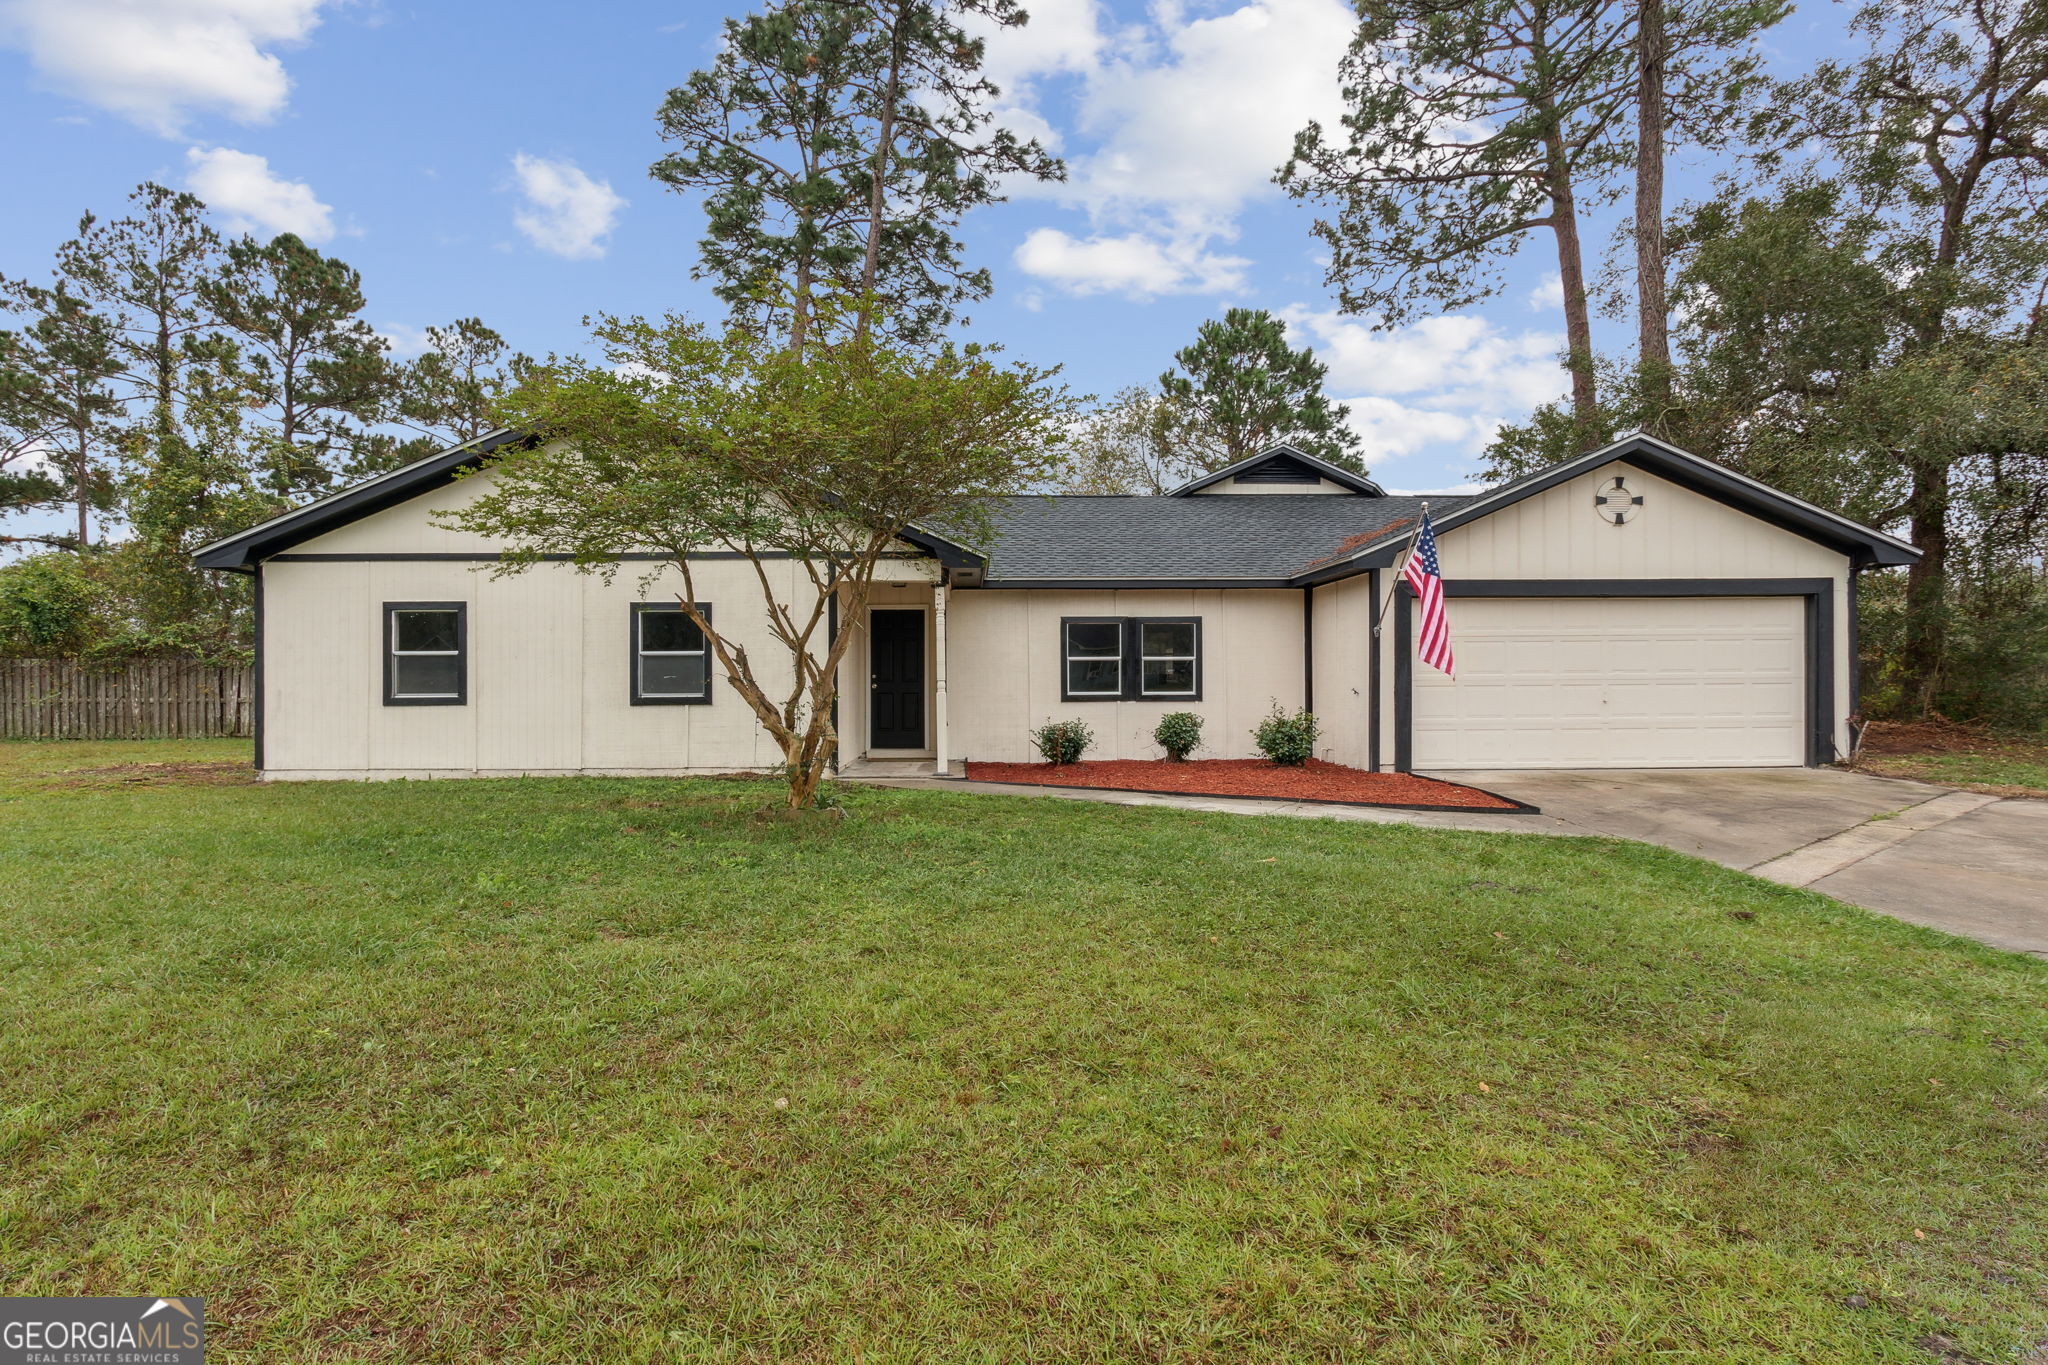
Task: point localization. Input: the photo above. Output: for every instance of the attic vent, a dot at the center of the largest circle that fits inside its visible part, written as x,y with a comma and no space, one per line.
1279,469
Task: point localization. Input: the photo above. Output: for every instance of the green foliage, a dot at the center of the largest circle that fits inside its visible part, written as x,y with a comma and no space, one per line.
1062,741
49,606
1252,390
57,407
1289,740
837,144
681,439
1140,441
307,359
451,392
1179,733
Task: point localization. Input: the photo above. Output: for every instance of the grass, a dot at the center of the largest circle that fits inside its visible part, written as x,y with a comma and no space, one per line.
1959,756
599,1070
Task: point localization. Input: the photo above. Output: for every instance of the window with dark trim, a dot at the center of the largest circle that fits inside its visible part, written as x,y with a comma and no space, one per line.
1131,658
426,653
671,664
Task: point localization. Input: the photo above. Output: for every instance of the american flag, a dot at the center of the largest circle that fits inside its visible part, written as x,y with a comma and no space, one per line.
1433,645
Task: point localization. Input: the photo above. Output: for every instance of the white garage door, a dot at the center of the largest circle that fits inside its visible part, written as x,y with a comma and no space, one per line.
1617,682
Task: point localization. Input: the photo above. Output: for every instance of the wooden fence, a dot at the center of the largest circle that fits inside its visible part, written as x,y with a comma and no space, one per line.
142,699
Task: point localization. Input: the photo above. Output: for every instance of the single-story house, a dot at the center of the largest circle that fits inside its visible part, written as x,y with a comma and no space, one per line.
1635,607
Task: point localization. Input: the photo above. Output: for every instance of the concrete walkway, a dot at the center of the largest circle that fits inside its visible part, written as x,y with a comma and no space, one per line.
1972,865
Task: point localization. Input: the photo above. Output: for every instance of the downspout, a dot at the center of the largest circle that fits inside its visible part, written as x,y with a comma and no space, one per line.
832,634
939,717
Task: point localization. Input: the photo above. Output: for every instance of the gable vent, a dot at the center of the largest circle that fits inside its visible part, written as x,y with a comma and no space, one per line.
1278,469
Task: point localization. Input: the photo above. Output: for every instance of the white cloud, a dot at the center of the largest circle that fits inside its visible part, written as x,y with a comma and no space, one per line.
1548,293
566,212
405,340
1442,382
1134,265
158,62
240,187
1176,124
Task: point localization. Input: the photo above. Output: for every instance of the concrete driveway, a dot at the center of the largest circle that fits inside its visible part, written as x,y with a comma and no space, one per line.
1972,865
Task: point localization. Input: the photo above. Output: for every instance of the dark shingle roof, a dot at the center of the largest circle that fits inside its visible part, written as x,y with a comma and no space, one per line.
1270,537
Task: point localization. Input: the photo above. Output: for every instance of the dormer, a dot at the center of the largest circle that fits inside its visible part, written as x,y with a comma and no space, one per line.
1281,469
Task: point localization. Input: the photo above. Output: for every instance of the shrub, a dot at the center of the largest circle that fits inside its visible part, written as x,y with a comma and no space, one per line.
49,605
1179,733
1062,741
1288,740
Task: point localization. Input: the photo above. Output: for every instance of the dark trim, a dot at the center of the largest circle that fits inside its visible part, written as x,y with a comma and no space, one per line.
1322,468
1372,671
1863,545
1133,584
256,671
1404,681
1819,595
637,609
266,539
1131,658
461,610
372,495
1308,650
410,558
1633,587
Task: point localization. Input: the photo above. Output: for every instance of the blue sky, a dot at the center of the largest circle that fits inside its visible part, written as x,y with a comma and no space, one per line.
490,159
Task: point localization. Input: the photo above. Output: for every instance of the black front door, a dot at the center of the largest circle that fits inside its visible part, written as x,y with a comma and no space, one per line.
896,692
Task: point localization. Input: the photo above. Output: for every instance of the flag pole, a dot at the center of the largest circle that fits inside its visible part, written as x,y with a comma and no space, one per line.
1379,619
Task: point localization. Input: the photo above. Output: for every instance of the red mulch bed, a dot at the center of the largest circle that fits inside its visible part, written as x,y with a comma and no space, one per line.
1255,777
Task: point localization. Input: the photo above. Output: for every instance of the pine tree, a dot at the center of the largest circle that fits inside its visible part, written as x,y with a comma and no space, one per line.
449,393
312,366
839,143
1253,390
58,407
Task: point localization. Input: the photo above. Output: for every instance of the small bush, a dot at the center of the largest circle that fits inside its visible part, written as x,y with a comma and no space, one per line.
49,605
1062,741
1179,733
1287,740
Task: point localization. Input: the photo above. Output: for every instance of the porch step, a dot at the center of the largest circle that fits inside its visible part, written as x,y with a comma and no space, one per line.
859,768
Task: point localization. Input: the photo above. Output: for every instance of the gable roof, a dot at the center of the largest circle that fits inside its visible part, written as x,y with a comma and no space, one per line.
1274,540
1864,546
1249,542
386,490
1283,455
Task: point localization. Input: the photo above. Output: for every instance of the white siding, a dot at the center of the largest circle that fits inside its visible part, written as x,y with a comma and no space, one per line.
549,681
1004,646
1343,670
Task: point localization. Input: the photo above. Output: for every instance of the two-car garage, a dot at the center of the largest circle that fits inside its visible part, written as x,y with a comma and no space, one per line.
1619,682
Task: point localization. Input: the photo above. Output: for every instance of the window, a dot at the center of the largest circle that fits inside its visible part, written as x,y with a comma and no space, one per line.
1130,658
1166,658
1095,659
426,653
671,665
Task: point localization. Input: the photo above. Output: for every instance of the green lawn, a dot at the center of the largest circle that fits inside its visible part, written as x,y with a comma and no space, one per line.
1959,756
598,1070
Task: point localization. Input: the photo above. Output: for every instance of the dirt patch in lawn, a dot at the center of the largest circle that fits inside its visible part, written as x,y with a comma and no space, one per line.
1251,777
159,775
1954,754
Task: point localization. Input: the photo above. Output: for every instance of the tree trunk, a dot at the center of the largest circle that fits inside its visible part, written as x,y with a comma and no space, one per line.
1571,271
1926,588
885,144
1653,339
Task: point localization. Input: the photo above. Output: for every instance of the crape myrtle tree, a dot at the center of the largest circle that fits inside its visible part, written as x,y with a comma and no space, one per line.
1251,389
684,439
837,144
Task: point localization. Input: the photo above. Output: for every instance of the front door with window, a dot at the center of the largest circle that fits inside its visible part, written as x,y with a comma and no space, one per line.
896,689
